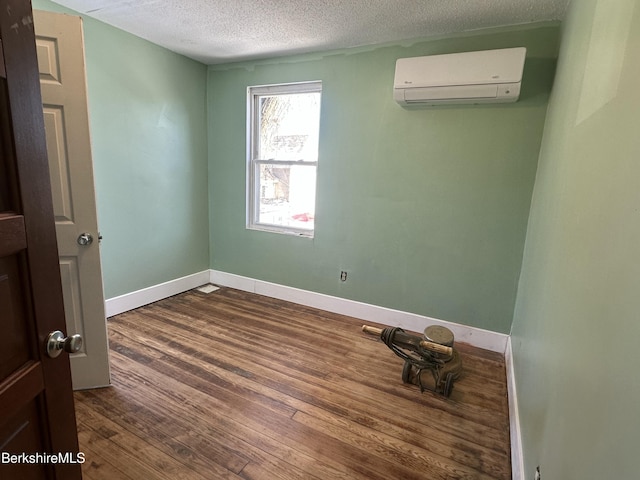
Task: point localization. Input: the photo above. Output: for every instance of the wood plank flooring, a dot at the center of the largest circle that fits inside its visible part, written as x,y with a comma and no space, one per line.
232,385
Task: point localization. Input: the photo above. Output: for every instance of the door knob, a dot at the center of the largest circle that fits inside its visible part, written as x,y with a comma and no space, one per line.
57,342
85,239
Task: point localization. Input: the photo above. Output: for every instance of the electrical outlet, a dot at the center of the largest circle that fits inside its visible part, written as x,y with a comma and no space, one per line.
537,475
343,276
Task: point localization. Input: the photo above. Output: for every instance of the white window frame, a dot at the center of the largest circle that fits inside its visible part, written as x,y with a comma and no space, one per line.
254,163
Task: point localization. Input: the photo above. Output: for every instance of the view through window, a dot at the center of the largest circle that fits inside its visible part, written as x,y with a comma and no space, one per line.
283,158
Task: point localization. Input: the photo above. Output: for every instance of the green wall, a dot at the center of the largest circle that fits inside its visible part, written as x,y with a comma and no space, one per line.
425,209
576,325
147,110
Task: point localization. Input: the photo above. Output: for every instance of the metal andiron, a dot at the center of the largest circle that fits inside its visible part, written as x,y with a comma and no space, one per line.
430,361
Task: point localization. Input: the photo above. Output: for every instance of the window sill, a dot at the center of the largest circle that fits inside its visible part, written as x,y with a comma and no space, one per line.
281,230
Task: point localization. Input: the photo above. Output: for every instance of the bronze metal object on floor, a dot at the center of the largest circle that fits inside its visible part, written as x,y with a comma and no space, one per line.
430,361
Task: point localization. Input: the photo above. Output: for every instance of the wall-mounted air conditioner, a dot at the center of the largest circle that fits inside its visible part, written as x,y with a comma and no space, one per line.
489,76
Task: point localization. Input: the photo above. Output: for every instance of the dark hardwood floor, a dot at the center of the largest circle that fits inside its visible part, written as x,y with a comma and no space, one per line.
232,385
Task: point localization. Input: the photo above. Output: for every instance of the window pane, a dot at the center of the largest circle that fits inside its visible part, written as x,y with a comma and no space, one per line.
287,195
289,126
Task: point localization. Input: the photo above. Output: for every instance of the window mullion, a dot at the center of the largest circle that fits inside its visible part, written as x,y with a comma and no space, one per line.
286,162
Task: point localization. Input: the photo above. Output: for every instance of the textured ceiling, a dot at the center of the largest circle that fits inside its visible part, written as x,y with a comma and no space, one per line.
221,31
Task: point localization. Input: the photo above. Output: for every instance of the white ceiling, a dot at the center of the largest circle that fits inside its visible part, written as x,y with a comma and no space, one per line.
221,31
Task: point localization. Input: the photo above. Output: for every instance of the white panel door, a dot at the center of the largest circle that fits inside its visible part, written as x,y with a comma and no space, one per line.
60,47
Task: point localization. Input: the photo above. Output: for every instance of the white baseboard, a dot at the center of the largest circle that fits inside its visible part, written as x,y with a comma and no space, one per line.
139,298
478,337
517,461
496,342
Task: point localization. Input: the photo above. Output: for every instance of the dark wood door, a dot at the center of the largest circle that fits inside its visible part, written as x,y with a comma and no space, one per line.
37,418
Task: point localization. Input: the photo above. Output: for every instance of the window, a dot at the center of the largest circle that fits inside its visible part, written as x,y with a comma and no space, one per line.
284,125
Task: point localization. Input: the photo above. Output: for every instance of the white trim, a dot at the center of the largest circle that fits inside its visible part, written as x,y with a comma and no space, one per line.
496,342
139,298
486,339
517,460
